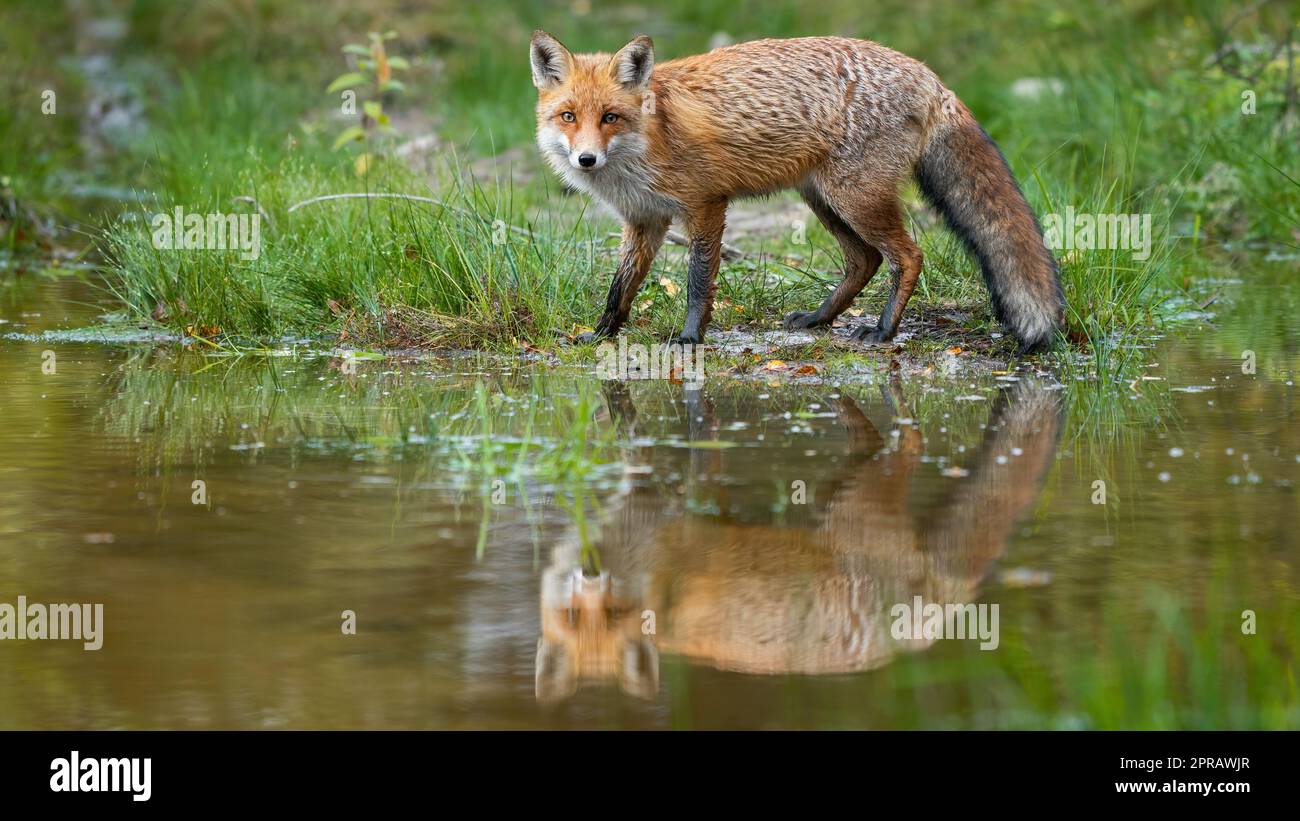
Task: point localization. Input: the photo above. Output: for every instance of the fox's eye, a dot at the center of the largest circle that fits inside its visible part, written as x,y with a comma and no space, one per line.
568,117
611,117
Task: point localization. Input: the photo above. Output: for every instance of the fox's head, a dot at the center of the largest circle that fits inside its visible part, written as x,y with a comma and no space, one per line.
592,631
591,108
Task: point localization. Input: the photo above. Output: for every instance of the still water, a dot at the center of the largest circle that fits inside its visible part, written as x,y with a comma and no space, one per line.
523,545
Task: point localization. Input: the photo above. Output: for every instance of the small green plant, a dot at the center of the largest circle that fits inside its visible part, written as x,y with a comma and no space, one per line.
374,75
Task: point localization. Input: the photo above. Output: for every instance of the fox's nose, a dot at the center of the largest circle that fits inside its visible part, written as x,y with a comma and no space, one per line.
586,160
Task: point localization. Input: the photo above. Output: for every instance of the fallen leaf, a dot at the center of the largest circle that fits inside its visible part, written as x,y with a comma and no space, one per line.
805,370
774,365
668,285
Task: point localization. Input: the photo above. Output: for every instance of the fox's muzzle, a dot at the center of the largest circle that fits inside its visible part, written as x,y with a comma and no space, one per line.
587,160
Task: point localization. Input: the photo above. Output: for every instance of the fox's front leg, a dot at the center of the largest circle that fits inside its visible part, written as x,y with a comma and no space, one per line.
704,226
640,244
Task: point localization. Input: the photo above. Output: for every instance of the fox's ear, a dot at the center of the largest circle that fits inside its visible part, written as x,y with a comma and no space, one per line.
634,62
551,61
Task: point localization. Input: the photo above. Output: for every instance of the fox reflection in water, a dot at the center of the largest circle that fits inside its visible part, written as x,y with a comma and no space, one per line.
763,598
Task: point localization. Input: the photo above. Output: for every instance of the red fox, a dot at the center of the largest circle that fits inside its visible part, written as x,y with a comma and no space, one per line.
681,572
845,122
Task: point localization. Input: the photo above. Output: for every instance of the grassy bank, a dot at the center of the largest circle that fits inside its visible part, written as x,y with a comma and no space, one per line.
1132,107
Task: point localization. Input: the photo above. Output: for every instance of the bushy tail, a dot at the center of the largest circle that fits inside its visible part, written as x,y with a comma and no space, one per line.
964,175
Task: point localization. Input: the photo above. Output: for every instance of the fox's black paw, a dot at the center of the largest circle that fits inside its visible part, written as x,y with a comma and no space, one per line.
803,319
590,337
1034,346
871,336
686,338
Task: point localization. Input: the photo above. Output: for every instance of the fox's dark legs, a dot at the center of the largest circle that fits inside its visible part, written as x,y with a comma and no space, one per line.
702,426
884,229
704,224
860,264
873,496
864,438
640,244
904,270
622,411
873,214
971,530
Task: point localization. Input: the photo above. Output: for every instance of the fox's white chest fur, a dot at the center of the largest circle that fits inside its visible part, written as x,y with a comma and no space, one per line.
625,183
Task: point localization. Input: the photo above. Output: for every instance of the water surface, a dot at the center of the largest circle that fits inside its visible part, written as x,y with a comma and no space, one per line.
524,545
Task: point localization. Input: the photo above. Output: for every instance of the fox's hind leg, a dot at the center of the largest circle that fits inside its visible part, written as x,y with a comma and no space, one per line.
860,264
874,215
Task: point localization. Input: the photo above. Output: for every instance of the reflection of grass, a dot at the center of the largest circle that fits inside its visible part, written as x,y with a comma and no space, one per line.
1106,428
566,464
1170,666
459,433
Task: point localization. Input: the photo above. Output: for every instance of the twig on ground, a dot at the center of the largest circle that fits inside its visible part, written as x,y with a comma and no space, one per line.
257,205
524,232
729,252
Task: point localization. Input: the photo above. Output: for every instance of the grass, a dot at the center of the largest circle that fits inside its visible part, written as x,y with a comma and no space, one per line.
1139,125
391,272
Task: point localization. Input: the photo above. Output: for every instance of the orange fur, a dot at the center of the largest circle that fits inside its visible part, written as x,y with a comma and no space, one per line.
845,122
765,597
